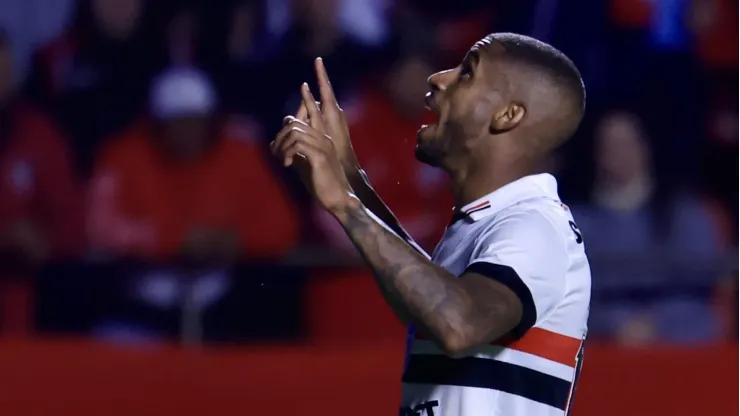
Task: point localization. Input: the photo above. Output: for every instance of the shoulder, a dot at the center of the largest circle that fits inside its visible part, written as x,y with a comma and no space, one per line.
31,118
528,236
36,128
536,220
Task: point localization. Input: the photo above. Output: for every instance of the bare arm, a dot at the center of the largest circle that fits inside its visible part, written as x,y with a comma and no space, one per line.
458,313
371,200
330,120
362,189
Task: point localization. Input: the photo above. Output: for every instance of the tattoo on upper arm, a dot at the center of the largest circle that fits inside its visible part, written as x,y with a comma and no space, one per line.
498,309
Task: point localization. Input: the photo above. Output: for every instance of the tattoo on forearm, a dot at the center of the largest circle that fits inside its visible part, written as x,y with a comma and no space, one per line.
432,297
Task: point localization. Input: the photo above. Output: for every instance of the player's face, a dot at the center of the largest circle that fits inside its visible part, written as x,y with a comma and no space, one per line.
464,100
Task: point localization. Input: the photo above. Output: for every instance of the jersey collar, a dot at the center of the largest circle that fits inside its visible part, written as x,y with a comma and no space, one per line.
511,193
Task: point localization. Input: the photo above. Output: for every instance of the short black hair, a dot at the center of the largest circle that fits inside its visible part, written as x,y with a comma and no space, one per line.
547,58
555,66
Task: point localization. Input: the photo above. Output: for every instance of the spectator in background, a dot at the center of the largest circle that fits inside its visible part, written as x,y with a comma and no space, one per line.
315,32
648,246
93,79
364,20
652,55
715,25
450,29
719,167
40,215
30,23
183,35
233,31
188,186
383,125
240,39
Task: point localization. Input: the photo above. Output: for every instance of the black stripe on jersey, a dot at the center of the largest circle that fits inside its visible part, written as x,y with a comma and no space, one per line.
483,208
488,374
509,278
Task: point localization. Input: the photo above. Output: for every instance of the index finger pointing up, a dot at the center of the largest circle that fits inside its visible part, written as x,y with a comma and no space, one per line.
327,93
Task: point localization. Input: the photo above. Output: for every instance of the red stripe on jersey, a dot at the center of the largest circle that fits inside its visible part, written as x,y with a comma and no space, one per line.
543,343
481,205
547,344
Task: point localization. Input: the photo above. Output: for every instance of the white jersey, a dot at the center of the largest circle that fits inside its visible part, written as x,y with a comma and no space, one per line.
522,236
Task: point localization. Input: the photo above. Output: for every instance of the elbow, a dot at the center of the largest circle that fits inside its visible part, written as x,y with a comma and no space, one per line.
454,339
456,345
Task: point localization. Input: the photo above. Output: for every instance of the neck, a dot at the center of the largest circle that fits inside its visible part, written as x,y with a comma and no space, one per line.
482,175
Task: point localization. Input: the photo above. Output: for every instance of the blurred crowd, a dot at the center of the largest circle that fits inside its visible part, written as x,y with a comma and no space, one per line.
135,130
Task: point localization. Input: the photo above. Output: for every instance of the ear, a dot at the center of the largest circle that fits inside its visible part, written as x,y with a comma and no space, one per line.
508,118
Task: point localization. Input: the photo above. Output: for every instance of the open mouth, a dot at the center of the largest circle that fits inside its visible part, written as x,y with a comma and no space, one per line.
433,109
431,116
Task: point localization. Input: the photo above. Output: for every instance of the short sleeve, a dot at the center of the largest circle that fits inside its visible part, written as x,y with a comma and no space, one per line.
527,253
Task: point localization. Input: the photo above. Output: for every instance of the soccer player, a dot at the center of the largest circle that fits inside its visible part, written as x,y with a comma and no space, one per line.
498,314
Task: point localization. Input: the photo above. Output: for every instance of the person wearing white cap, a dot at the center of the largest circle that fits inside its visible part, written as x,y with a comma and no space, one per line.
184,185
182,103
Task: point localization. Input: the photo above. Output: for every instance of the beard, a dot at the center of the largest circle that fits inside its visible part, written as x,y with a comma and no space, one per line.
434,152
430,152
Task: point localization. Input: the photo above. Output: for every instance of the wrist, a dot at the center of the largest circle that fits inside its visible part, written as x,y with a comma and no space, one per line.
355,175
348,209
351,170
350,163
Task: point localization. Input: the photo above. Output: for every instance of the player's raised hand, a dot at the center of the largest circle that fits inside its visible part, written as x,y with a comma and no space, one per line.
333,120
315,157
